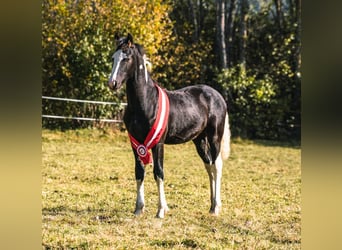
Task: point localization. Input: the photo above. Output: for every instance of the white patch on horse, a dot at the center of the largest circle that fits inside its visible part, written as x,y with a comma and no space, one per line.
162,205
218,175
146,63
215,174
117,57
140,202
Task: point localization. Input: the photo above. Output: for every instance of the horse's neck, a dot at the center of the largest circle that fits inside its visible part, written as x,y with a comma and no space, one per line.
142,96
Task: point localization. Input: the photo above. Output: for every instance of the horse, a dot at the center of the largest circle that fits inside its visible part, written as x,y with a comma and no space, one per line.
195,113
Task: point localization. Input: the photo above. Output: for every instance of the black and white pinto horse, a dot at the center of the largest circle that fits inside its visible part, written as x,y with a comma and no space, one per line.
197,113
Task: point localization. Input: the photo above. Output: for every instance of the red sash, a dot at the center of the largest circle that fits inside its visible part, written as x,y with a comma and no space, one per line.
156,131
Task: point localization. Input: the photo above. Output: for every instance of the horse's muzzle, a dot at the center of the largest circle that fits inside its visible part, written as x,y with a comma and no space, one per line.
113,85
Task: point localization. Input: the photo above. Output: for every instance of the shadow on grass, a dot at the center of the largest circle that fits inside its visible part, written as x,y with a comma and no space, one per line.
83,245
188,243
89,214
289,144
269,143
233,229
277,240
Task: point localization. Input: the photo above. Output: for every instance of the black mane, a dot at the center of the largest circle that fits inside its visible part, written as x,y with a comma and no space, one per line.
123,41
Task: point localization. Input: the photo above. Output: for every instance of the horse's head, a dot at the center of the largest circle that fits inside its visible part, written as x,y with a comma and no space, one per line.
123,62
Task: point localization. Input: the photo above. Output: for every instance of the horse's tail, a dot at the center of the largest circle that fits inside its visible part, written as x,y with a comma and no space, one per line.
225,142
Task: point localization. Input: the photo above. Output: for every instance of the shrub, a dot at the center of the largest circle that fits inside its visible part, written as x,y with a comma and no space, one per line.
251,103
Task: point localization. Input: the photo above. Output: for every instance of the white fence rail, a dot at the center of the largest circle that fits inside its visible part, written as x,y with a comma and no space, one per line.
82,118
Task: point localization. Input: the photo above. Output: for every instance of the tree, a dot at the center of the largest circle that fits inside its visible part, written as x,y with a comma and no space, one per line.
191,59
249,50
78,42
230,30
262,84
221,31
279,13
297,19
243,34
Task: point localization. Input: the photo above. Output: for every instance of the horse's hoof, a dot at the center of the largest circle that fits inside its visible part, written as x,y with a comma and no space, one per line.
215,211
161,212
138,211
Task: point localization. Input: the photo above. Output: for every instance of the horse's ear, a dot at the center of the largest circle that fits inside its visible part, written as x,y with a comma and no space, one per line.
129,40
116,36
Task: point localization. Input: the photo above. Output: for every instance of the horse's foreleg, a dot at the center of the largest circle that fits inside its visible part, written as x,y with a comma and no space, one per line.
158,158
162,205
139,176
140,202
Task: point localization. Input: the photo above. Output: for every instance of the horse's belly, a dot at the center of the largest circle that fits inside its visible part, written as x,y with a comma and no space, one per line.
176,140
177,135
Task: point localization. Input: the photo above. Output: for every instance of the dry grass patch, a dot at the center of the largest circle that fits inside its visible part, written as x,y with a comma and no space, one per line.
88,196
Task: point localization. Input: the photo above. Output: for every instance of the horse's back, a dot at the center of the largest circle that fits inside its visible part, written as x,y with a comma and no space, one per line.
199,94
191,110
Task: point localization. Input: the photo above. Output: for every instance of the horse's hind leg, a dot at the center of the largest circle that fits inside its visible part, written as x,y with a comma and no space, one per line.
213,165
215,174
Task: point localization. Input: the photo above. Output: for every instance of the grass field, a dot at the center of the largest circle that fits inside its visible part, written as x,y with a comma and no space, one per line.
88,196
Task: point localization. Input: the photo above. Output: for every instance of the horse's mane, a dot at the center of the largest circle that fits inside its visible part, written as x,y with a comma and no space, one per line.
120,42
140,49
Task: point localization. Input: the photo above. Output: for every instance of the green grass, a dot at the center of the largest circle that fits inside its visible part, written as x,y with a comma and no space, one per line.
88,196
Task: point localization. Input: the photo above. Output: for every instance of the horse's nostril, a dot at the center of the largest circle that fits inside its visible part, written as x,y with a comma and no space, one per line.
112,84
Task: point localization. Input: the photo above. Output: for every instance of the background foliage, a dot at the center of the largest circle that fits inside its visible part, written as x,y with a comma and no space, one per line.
78,42
249,50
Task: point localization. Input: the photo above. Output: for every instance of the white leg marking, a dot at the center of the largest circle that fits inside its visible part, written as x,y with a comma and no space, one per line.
217,176
162,205
140,202
209,169
215,173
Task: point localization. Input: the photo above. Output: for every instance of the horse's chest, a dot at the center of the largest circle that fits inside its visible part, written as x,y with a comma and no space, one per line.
137,127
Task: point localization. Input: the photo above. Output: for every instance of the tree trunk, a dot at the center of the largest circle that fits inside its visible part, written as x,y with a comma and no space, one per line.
201,15
194,20
230,29
243,33
279,18
298,35
220,10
